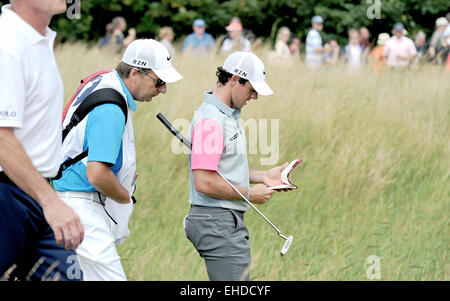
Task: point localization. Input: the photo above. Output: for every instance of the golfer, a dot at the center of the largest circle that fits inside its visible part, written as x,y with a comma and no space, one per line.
38,232
215,224
100,187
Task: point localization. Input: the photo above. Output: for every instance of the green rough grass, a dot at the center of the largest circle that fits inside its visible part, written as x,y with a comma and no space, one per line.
374,181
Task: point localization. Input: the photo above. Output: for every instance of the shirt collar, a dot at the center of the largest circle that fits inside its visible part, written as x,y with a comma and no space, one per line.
26,30
130,99
210,98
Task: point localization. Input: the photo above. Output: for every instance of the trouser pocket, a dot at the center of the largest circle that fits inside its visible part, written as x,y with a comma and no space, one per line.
195,225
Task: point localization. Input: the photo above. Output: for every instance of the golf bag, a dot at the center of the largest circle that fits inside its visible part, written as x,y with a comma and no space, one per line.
94,99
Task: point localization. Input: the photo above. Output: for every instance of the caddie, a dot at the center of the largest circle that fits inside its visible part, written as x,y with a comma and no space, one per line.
100,186
215,224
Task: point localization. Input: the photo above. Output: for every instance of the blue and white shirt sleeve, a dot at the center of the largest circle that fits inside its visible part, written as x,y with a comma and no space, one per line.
104,131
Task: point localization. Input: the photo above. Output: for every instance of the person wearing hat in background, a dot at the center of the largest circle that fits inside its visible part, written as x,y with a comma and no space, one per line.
314,49
399,50
215,224
100,187
235,41
199,41
376,56
436,42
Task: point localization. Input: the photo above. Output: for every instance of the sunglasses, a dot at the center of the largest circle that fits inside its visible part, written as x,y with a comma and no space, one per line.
158,82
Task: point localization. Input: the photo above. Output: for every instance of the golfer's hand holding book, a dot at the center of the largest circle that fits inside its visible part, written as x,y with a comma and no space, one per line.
278,177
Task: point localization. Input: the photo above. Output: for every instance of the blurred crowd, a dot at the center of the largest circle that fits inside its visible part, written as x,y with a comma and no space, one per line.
387,50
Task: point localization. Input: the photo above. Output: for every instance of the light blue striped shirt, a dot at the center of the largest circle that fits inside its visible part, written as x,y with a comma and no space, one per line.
313,41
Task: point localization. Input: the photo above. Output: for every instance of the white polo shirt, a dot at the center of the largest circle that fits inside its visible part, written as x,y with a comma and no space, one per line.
31,90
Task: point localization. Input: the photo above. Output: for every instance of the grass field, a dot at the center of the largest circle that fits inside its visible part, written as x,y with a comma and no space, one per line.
374,181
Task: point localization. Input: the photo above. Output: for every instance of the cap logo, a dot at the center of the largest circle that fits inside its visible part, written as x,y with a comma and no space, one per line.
168,58
138,62
240,72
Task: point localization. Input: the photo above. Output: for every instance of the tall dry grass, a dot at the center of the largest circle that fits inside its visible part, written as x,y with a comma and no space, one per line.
374,181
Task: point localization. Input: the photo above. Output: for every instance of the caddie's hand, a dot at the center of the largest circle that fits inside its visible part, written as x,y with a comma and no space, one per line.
260,194
65,223
273,176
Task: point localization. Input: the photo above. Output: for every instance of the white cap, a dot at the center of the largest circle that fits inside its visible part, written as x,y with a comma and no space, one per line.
442,21
248,66
151,54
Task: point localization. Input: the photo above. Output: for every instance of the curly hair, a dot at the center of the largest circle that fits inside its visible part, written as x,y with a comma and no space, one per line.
224,76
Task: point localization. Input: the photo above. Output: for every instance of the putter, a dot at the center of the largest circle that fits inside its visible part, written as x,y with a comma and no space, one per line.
176,133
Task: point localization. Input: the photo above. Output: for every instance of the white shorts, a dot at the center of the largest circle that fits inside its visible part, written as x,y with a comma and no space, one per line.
97,253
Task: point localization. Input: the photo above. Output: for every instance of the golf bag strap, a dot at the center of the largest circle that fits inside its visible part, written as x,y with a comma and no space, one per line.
95,99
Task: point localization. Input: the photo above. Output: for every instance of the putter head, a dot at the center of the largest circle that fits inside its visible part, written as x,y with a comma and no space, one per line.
287,244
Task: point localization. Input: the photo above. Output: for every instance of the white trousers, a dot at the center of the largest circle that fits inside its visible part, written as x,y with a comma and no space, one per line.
97,253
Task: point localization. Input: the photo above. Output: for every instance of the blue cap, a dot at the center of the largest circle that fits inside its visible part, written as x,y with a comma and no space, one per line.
399,26
317,20
199,22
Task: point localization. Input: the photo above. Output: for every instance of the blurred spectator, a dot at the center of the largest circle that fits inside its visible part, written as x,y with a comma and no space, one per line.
199,40
436,42
107,38
376,56
364,42
235,40
314,49
332,56
166,36
281,46
115,38
420,41
294,47
353,52
437,39
399,50
120,25
364,39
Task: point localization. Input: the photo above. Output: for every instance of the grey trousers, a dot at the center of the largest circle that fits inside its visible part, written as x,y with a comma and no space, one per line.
221,238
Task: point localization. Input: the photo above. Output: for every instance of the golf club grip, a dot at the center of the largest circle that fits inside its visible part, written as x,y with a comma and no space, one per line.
173,130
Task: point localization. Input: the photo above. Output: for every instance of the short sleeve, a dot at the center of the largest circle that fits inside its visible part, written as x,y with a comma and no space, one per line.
207,144
12,90
104,131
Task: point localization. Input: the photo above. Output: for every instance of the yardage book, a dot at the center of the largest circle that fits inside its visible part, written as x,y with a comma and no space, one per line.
285,177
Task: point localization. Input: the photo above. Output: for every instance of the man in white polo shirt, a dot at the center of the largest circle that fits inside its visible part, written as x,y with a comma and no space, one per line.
215,225
33,220
100,187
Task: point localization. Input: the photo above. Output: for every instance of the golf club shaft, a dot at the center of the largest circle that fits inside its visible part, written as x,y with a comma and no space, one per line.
248,202
186,142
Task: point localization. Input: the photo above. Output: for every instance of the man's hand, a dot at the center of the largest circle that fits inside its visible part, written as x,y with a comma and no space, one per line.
103,179
273,176
65,223
260,194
